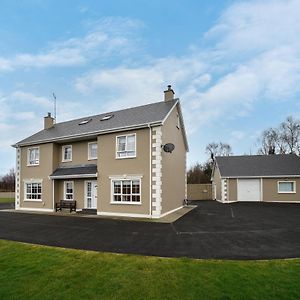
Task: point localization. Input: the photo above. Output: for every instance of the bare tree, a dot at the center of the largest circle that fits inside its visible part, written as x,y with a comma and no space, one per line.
7,182
271,142
218,149
291,134
281,140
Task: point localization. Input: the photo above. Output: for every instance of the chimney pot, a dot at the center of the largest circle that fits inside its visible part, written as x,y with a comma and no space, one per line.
169,94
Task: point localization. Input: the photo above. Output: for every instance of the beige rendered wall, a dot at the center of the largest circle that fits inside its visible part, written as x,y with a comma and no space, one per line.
173,165
199,191
79,153
232,189
40,172
217,182
270,192
79,190
109,165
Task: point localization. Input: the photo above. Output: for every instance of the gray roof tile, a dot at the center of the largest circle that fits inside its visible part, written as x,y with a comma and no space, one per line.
259,165
90,169
145,114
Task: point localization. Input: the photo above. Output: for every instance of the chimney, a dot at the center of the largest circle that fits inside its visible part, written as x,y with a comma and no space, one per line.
48,121
169,94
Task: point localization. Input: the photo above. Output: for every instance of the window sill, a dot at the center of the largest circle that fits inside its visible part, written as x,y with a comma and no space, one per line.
92,158
125,157
70,160
32,200
126,203
33,165
286,192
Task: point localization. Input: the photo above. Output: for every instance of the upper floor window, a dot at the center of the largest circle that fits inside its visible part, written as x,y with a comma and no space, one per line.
126,146
33,156
67,153
92,150
286,187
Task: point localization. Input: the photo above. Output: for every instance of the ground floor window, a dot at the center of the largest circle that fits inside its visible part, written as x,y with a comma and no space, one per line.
69,190
286,187
33,191
126,191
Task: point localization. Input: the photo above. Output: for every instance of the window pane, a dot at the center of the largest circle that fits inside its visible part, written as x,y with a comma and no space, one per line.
286,186
126,198
117,187
126,187
117,198
130,153
135,187
121,143
93,150
67,153
131,143
136,198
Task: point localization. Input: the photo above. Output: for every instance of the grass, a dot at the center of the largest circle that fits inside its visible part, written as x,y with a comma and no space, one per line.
39,272
7,200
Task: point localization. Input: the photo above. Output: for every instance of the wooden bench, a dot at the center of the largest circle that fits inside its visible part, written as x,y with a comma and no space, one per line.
70,204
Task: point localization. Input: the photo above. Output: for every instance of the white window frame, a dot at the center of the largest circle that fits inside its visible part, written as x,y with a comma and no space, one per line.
32,181
89,152
65,190
112,201
127,156
63,153
28,157
286,181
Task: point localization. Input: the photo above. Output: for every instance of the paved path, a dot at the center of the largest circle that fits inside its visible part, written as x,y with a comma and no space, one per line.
212,230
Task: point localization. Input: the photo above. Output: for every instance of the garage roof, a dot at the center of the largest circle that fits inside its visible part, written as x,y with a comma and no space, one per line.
287,165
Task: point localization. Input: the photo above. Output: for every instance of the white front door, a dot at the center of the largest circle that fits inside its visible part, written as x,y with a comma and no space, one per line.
249,190
91,194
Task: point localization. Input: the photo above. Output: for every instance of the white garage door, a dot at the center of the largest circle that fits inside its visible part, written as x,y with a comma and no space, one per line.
249,190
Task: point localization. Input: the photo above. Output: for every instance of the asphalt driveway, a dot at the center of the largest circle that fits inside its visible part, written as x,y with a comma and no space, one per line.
212,230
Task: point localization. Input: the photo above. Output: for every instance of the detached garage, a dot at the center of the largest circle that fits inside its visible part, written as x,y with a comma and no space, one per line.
253,178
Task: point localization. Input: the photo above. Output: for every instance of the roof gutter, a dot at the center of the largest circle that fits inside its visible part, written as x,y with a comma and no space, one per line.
73,176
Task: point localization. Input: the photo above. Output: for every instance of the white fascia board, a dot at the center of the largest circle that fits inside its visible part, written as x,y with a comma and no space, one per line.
73,176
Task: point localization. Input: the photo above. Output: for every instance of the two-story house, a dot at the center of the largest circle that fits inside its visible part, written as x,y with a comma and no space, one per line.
114,163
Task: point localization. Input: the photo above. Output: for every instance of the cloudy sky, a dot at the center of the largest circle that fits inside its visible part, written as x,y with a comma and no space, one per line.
234,64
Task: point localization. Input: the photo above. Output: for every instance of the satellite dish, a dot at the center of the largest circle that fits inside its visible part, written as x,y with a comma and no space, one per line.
169,147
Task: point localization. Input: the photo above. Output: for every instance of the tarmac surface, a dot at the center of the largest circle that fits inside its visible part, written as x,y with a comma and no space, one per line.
211,230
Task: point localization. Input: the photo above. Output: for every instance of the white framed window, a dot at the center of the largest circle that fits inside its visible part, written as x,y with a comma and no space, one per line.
33,156
92,150
126,146
32,191
67,153
286,187
126,191
68,190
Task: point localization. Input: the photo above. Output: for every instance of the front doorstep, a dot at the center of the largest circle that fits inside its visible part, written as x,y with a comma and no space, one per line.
88,211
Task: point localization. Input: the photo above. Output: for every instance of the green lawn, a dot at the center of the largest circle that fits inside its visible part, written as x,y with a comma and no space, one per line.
6,200
38,272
